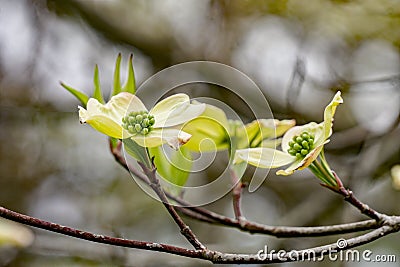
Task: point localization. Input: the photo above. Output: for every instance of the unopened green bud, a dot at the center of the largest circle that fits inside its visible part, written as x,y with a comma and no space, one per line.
301,145
138,122
139,118
296,146
145,131
305,136
305,144
138,128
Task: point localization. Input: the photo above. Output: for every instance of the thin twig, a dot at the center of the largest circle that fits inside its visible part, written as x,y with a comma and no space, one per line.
350,198
236,196
363,208
185,230
315,253
194,215
286,231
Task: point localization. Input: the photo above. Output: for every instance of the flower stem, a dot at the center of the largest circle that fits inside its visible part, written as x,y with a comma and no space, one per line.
237,195
350,198
325,174
328,169
185,230
316,171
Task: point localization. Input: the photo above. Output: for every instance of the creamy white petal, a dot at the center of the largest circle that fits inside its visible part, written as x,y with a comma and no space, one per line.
329,114
178,115
134,105
106,118
303,163
163,108
175,138
263,157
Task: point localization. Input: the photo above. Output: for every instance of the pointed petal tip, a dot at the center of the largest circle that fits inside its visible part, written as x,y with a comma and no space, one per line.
337,98
284,172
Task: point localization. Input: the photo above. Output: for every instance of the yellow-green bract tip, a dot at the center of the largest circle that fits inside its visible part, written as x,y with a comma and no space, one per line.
83,98
117,76
130,85
97,94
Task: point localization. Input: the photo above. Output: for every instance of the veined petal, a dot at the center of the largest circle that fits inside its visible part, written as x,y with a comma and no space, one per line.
216,114
263,157
103,124
271,143
170,103
209,130
107,118
175,138
282,126
163,109
329,113
207,135
268,128
291,169
134,105
319,134
119,105
178,115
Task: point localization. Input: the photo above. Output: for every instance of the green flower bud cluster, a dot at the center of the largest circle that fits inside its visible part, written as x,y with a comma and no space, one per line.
138,122
301,145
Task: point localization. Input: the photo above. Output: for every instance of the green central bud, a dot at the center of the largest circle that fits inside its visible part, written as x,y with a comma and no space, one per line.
301,145
138,122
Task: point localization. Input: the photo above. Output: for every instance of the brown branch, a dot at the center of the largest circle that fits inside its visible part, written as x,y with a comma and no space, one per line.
390,225
185,230
363,208
286,231
120,242
236,200
310,253
236,196
350,198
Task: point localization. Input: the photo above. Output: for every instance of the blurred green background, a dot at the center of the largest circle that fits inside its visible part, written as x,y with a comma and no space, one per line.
298,52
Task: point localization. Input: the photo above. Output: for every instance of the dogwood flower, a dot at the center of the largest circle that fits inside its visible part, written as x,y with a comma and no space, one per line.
301,145
125,116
